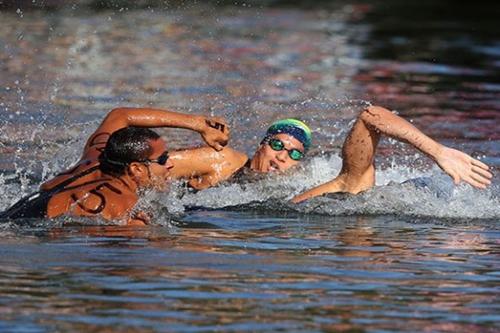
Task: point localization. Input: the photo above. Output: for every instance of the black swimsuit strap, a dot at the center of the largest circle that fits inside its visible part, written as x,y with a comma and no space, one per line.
57,188
35,205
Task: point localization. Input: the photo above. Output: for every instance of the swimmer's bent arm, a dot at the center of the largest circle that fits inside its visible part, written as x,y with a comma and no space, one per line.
213,130
358,152
203,167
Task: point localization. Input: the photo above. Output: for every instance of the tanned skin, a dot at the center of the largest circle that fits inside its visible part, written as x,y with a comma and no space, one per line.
203,167
358,154
113,198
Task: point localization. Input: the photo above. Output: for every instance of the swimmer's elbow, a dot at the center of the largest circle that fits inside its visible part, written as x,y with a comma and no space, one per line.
120,112
118,117
370,112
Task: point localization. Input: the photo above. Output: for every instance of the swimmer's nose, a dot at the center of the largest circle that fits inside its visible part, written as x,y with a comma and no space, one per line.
282,155
169,165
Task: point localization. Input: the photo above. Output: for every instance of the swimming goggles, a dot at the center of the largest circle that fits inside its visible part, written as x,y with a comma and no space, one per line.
161,160
278,145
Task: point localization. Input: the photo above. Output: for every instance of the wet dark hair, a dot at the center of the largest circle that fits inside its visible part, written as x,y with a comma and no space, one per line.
127,145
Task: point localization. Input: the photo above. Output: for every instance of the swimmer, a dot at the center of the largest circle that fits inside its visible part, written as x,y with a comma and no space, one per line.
285,145
121,158
358,153
287,141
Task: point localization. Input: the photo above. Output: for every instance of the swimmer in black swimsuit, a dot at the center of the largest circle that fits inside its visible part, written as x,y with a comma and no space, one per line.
119,159
35,205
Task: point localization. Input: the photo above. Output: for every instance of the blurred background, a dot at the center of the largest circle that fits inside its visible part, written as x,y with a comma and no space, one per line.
64,64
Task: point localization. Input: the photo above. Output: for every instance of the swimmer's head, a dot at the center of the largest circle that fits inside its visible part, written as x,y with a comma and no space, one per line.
283,147
292,127
139,152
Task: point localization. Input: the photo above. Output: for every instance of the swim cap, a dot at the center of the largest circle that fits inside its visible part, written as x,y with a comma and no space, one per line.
293,127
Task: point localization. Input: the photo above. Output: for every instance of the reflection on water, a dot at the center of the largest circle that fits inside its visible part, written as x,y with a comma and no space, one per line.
260,266
287,273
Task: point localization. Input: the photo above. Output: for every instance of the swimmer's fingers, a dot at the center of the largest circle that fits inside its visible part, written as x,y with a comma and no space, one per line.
480,164
461,166
456,178
482,172
473,177
216,132
475,181
221,120
218,123
218,147
480,179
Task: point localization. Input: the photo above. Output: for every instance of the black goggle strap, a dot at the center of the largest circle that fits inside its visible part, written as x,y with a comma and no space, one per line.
265,140
162,160
105,158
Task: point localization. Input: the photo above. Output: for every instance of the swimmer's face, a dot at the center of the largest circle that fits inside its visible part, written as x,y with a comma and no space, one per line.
153,174
267,159
159,172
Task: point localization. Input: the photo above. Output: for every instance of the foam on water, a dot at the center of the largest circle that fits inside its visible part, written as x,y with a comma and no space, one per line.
400,191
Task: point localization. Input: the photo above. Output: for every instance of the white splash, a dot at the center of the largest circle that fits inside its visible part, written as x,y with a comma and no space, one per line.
400,191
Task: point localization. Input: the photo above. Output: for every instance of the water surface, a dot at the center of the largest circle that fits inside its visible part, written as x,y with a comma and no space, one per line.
418,256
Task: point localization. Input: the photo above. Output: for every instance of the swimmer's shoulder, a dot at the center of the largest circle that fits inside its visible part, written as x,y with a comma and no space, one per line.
237,158
82,172
108,198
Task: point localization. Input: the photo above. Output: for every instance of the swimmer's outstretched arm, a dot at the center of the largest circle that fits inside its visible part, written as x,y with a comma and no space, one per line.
358,152
213,130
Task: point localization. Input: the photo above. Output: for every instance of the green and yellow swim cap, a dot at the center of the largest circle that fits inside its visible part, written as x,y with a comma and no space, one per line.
293,127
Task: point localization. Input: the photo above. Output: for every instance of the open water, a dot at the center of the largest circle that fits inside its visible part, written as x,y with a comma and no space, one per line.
415,254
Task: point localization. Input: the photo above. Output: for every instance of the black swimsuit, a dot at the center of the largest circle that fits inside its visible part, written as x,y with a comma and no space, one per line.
242,173
35,204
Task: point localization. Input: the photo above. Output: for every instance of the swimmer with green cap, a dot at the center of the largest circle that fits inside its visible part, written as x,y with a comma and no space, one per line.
284,145
123,158
287,141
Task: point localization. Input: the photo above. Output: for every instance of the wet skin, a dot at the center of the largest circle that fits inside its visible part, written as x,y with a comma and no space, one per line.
203,167
87,191
113,197
267,159
159,174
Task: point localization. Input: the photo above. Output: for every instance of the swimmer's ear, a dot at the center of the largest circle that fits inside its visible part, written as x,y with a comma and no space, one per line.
138,170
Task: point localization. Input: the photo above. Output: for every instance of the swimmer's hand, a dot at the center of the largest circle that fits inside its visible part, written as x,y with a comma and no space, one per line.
139,218
215,132
462,167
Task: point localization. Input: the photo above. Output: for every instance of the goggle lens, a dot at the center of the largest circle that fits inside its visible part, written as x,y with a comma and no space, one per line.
295,154
278,145
162,159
